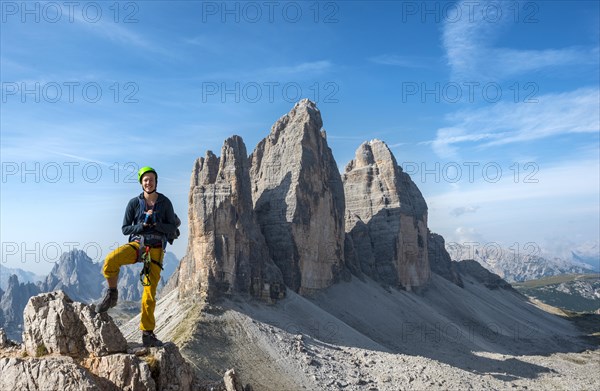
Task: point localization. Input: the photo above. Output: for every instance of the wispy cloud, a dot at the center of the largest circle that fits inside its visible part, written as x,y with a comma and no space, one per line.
463,209
120,34
470,50
506,122
557,182
402,61
512,211
313,67
396,145
299,71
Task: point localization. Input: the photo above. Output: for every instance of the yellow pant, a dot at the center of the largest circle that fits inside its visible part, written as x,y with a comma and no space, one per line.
127,255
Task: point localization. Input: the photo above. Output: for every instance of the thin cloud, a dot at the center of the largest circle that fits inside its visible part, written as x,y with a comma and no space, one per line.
120,34
301,70
469,48
463,210
396,145
313,67
552,182
402,61
506,122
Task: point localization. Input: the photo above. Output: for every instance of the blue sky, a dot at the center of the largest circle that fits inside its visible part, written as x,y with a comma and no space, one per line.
491,107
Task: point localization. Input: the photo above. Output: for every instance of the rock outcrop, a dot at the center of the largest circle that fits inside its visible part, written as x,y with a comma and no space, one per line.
439,260
70,347
299,200
226,250
56,324
1,312
386,219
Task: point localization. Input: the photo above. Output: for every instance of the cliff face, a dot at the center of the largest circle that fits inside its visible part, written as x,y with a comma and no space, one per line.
299,200
440,261
284,215
386,219
226,251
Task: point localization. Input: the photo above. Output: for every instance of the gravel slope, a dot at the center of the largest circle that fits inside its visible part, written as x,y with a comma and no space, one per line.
359,336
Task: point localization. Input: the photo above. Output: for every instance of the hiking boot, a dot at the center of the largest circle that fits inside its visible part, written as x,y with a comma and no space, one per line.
149,340
110,300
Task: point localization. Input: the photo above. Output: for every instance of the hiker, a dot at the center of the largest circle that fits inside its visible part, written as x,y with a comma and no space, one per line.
150,223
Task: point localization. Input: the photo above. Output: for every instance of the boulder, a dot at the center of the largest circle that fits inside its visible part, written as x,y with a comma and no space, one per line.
57,373
53,323
69,347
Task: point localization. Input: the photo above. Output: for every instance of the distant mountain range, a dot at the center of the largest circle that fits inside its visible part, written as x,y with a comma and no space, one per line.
520,266
22,275
588,253
77,275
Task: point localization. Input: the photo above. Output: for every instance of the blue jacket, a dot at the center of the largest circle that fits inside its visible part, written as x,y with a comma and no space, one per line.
165,218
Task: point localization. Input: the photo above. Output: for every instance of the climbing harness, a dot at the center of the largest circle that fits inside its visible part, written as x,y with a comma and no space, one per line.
143,255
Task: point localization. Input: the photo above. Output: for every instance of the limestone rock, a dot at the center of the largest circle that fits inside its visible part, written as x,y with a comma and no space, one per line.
3,339
231,381
124,371
226,250
386,217
174,372
69,347
53,323
440,261
57,373
156,369
299,200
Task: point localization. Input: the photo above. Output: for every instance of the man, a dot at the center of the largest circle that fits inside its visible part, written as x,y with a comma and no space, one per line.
150,223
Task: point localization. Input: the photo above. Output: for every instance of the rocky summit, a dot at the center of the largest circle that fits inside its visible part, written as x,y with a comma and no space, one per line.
285,216
69,347
226,250
386,219
299,200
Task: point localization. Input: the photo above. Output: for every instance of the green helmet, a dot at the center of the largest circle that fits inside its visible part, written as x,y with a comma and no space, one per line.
145,170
